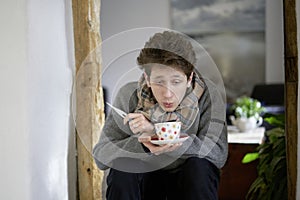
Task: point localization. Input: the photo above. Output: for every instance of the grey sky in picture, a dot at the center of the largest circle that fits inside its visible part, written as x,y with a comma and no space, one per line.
218,15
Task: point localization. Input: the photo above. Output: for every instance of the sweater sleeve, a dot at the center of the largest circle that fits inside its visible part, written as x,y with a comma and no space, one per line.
209,140
116,139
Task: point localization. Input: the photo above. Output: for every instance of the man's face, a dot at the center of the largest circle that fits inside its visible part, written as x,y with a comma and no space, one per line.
168,86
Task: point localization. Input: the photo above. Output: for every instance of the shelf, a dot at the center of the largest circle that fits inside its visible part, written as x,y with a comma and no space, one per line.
255,136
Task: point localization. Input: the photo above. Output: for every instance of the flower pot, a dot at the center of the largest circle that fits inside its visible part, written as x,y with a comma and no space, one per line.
246,124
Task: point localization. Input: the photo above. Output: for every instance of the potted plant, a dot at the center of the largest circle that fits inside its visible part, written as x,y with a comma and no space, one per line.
247,113
271,183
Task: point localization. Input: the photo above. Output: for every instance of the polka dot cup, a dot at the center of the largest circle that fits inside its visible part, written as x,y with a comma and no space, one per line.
168,130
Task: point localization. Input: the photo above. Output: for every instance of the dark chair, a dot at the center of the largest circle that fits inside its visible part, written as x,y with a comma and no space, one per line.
269,94
271,97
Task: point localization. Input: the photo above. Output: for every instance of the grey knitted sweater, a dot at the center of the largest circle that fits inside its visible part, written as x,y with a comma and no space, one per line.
208,135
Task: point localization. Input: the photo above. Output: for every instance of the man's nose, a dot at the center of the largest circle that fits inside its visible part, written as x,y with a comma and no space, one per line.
168,92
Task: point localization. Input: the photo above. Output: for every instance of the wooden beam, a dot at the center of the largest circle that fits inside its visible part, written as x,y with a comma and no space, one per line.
291,93
89,97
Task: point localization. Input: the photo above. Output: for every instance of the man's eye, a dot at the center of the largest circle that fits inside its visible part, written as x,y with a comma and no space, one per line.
175,82
158,83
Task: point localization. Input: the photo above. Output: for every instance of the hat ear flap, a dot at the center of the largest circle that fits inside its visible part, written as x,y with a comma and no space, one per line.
147,79
189,83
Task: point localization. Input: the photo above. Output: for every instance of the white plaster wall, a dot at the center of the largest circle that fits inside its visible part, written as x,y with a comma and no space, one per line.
36,68
120,15
14,152
50,70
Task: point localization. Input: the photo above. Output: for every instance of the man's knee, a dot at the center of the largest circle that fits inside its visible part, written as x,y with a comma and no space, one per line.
201,165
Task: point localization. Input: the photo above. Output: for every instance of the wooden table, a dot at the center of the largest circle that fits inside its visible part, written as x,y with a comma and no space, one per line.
236,177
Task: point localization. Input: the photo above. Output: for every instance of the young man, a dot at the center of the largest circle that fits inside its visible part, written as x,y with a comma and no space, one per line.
170,89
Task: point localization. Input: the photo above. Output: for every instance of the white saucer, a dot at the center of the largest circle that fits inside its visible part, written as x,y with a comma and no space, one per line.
162,142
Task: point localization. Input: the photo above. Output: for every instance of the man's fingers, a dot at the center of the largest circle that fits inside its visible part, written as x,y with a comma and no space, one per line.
157,150
144,139
131,117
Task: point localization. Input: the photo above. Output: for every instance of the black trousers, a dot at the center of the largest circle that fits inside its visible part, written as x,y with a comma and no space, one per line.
197,179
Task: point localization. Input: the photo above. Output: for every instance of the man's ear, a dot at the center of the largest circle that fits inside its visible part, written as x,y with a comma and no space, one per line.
189,83
147,79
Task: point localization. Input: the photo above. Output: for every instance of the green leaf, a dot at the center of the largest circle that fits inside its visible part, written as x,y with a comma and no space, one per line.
249,157
278,132
255,189
275,119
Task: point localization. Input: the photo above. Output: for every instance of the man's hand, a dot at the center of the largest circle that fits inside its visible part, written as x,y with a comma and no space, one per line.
138,123
155,149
